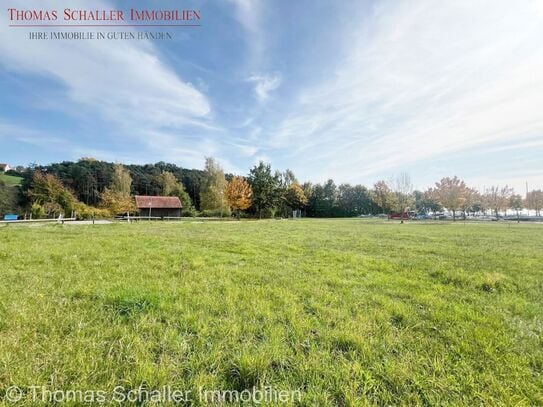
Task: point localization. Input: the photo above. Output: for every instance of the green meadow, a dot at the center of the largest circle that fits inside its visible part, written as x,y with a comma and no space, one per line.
10,179
350,312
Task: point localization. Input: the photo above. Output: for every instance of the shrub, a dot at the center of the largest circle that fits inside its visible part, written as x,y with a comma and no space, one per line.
37,211
215,213
191,212
85,212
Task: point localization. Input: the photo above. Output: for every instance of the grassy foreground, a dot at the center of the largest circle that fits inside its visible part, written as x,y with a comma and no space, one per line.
350,312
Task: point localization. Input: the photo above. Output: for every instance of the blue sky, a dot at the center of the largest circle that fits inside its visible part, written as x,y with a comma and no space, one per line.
355,91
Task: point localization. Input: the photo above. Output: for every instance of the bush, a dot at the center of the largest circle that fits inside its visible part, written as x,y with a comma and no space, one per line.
37,211
244,215
85,212
191,212
8,199
216,213
268,213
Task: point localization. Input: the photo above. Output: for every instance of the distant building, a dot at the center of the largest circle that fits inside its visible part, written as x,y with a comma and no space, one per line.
161,206
4,167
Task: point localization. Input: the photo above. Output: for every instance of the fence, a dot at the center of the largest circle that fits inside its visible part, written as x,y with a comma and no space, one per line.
57,220
179,218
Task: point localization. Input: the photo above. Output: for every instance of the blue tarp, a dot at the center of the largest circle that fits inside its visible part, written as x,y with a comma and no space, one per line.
10,217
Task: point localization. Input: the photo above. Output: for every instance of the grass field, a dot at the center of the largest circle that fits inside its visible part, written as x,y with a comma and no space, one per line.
10,179
350,312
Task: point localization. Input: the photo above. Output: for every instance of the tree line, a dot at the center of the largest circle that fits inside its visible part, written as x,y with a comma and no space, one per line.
89,187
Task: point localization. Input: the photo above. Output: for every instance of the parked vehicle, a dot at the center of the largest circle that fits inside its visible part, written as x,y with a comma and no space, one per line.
402,216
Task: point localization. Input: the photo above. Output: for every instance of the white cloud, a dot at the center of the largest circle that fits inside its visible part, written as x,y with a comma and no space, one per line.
518,145
53,143
421,79
249,14
13,132
124,82
413,81
246,150
264,84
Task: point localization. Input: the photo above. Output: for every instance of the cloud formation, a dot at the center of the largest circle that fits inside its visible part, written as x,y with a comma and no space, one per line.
420,80
124,82
264,84
424,87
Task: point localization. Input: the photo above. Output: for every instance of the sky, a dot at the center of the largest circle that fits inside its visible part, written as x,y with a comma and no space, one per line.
356,91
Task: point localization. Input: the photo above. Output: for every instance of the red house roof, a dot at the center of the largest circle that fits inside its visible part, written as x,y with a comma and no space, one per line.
162,202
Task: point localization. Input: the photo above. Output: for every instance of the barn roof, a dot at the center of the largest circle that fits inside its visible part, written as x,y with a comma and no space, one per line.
166,202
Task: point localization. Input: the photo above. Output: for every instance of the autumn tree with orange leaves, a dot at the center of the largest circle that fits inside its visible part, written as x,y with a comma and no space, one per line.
451,193
238,194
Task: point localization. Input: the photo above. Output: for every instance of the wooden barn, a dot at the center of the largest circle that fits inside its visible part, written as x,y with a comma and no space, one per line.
158,206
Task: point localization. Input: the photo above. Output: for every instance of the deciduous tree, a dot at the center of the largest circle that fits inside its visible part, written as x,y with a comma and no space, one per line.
534,201
403,190
295,196
167,183
265,187
515,203
383,196
213,186
289,178
497,198
470,200
117,199
122,181
238,194
49,192
117,203
184,197
170,186
429,202
451,193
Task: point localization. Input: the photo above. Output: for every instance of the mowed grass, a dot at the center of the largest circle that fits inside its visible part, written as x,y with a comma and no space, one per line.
350,312
10,179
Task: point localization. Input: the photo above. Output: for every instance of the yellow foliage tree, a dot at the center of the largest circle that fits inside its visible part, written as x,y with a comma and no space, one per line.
238,194
451,193
295,196
117,203
122,181
48,191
